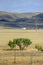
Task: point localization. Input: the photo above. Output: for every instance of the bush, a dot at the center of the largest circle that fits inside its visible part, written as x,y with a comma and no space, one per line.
39,47
21,42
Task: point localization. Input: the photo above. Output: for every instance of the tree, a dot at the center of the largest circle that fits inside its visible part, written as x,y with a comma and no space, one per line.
11,44
21,42
26,42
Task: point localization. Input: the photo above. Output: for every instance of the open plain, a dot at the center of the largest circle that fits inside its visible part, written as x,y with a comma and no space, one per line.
29,56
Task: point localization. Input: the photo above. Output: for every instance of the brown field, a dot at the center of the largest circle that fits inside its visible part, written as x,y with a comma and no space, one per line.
9,34
21,58
36,36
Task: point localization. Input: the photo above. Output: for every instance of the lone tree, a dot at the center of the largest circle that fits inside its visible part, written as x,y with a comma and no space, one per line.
21,42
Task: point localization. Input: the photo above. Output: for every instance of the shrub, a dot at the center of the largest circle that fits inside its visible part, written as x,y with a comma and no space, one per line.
39,47
21,42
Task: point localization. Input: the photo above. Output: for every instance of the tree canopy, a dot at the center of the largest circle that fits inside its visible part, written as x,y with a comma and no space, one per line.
21,42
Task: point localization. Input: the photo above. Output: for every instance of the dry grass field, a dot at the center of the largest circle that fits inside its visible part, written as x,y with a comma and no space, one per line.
8,34
36,36
21,58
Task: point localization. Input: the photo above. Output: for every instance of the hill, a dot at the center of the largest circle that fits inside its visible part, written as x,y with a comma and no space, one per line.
31,20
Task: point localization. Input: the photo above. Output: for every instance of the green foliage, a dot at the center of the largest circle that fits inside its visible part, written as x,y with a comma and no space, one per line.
11,44
21,42
39,47
26,42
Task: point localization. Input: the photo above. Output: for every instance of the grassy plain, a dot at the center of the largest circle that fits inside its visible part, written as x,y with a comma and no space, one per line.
9,34
36,36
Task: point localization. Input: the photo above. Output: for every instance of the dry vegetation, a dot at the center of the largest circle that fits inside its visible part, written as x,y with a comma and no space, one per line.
8,34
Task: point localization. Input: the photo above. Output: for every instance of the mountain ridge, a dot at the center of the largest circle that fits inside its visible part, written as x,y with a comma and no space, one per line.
20,20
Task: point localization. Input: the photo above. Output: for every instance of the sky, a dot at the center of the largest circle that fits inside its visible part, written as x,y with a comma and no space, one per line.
21,5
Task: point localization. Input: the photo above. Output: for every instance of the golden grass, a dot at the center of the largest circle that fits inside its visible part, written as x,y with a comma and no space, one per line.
28,59
9,34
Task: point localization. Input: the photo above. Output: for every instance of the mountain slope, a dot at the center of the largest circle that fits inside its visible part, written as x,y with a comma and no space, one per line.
21,20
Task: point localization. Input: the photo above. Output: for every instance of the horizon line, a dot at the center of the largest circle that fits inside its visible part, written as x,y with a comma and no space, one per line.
22,12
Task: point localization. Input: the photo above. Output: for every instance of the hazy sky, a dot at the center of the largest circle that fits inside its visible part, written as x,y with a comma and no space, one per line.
21,5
